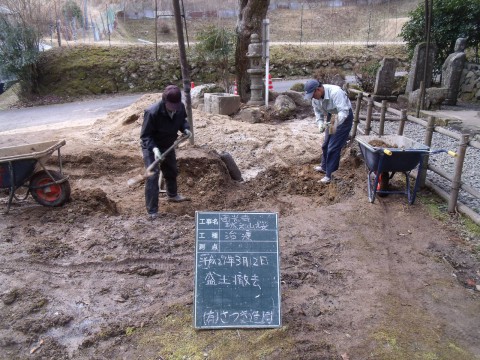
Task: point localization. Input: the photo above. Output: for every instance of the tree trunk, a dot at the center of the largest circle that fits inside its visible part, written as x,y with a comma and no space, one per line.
250,16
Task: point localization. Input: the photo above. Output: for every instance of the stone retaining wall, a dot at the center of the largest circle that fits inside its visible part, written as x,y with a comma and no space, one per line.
470,83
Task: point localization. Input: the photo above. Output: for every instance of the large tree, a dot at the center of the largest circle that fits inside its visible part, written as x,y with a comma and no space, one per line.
250,17
451,19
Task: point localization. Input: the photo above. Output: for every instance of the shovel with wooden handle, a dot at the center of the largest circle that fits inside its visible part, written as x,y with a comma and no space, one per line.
149,171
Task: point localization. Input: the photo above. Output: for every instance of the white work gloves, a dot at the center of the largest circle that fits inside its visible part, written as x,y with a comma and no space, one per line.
321,126
157,153
187,133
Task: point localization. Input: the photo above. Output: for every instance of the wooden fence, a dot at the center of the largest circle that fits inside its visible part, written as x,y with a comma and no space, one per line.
464,142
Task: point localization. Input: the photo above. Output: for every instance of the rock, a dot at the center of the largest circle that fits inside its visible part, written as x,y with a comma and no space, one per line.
434,97
297,98
251,115
9,297
284,106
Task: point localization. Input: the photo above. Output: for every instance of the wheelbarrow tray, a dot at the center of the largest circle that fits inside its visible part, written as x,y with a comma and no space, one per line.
21,161
406,153
401,155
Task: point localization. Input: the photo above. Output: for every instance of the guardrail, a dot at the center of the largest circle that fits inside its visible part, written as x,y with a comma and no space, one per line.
464,142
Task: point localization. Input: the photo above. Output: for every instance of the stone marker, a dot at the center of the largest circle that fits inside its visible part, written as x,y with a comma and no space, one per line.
452,71
385,80
417,68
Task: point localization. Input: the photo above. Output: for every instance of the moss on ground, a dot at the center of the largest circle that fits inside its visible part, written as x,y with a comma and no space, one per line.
409,334
174,337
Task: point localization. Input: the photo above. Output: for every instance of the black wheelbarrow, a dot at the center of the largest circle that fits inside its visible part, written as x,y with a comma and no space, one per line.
386,155
23,167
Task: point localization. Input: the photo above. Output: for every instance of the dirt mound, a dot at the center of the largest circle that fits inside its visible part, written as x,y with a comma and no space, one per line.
93,200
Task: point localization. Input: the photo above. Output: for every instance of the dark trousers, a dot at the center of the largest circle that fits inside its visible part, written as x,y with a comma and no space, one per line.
333,144
170,172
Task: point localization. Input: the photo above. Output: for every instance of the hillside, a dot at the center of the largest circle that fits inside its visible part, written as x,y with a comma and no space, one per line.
302,22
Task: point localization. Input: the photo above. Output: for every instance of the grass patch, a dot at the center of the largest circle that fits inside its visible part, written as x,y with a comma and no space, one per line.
438,209
412,334
174,337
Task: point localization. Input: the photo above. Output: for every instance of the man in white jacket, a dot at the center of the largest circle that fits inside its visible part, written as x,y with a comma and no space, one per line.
333,101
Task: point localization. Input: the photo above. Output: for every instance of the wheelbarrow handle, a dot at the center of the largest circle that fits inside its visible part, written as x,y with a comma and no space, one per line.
449,152
149,171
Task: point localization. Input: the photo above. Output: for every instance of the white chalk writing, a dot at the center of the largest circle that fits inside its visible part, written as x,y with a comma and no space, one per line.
242,280
242,222
207,261
219,317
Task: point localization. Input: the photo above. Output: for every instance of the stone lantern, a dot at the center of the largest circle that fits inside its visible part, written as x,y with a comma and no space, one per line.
256,70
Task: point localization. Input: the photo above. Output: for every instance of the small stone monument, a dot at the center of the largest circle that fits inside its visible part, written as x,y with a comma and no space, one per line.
417,67
452,71
385,80
256,71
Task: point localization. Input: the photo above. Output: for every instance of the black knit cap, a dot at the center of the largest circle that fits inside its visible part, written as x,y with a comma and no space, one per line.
172,96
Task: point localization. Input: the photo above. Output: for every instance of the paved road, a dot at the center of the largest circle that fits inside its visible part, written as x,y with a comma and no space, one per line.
76,112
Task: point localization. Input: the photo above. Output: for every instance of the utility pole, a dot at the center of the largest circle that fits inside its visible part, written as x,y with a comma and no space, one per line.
57,25
185,22
301,26
85,14
428,22
266,55
156,31
108,25
184,65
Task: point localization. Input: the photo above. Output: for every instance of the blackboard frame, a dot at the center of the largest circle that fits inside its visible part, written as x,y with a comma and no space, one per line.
237,270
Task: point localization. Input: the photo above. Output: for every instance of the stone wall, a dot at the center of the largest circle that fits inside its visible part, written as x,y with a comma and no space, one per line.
470,83
302,67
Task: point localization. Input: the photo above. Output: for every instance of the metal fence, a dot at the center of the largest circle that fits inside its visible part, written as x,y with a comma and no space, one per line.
463,143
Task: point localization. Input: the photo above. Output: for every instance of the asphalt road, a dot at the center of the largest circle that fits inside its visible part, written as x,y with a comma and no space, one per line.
77,112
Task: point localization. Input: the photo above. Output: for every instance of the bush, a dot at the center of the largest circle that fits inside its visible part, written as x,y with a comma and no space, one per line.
19,51
217,46
300,87
163,28
366,75
333,76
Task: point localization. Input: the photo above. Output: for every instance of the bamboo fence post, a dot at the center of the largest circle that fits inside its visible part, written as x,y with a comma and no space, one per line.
420,99
356,119
422,174
456,183
381,129
369,115
403,119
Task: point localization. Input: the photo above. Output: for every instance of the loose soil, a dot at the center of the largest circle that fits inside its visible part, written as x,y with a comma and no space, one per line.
95,279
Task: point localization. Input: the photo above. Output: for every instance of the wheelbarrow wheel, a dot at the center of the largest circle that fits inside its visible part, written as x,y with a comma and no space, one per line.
383,183
49,195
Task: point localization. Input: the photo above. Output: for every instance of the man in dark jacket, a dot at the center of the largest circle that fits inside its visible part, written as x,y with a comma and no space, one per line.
161,123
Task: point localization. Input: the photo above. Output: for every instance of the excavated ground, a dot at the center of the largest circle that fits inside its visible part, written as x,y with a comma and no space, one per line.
95,279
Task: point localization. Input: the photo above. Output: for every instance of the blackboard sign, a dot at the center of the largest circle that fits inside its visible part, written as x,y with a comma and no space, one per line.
237,278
